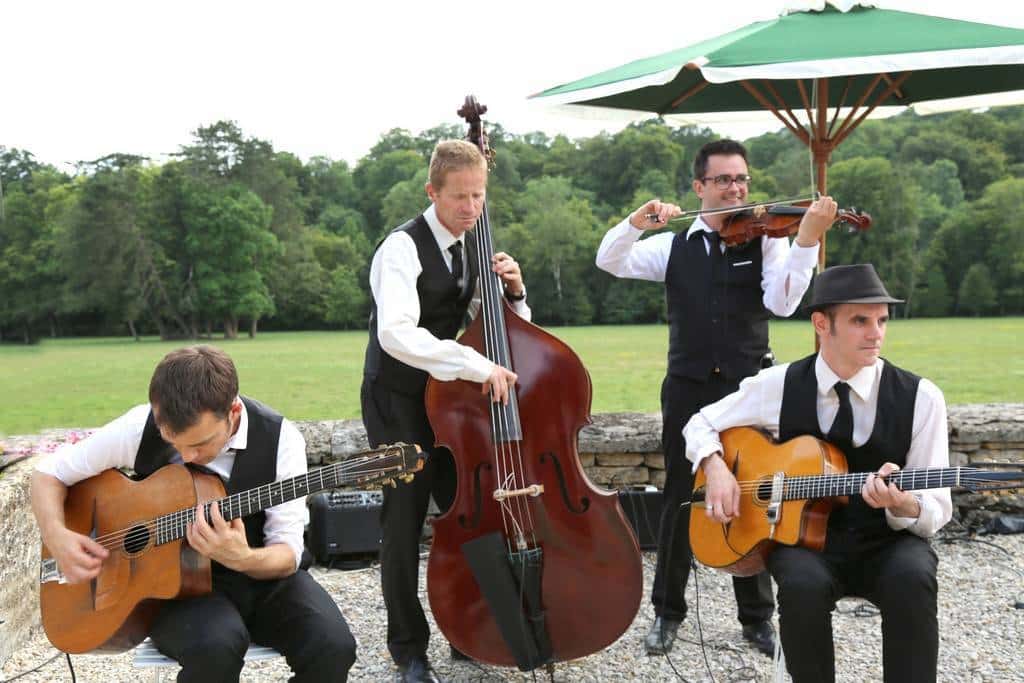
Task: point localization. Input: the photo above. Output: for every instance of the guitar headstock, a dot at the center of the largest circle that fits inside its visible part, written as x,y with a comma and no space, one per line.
387,463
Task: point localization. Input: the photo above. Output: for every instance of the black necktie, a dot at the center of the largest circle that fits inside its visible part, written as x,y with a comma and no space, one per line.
841,432
456,250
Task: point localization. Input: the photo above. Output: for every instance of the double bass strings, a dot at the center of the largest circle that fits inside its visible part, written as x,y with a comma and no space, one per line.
505,425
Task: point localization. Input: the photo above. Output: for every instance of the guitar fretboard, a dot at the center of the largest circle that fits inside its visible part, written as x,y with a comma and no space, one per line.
354,471
825,485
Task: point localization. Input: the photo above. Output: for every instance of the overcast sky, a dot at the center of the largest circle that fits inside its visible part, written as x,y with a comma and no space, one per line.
85,79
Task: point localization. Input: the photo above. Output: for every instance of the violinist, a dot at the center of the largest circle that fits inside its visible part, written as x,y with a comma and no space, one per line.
424,281
719,301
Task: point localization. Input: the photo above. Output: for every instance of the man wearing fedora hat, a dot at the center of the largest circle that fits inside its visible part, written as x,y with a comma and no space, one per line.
883,418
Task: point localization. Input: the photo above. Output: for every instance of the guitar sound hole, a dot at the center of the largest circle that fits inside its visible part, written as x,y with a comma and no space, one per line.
136,540
764,491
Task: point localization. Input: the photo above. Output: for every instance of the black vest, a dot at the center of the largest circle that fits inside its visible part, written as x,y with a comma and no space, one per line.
254,466
889,441
442,308
716,312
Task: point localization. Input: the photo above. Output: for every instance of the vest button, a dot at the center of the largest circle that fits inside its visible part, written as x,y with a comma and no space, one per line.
717,371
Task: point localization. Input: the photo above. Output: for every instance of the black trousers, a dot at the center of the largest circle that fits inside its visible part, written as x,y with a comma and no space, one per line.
895,572
390,416
209,634
680,399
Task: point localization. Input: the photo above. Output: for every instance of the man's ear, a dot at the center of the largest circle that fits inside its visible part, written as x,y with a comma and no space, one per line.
820,322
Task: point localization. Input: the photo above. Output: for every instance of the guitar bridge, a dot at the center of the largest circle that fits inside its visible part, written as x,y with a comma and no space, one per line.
774,512
50,572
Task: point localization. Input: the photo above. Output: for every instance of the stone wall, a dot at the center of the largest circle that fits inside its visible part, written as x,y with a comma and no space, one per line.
618,449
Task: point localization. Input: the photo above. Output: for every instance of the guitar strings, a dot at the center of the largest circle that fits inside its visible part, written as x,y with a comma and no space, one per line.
816,482
173,521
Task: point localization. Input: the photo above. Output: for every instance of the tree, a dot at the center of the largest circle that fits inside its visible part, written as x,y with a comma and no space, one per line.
933,298
230,243
977,293
347,303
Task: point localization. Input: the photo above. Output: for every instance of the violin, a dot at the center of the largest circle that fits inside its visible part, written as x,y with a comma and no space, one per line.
780,221
775,218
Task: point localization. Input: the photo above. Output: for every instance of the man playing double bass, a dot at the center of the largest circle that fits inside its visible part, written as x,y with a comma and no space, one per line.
719,301
424,280
883,419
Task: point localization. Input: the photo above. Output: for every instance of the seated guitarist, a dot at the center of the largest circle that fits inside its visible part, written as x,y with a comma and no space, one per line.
196,416
883,418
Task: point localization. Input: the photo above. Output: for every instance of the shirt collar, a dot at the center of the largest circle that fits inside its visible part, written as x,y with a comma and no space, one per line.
442,236
698,225
863,383
240,439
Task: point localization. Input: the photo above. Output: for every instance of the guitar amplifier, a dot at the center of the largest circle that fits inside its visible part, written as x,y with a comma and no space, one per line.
643,505
344,524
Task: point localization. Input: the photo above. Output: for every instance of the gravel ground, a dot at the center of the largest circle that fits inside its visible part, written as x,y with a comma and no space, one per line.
981,632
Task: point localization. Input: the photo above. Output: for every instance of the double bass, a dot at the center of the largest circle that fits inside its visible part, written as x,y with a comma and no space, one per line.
532,563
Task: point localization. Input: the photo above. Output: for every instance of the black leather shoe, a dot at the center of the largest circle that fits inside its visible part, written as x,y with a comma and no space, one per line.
762,636
662,635
458,655
417,670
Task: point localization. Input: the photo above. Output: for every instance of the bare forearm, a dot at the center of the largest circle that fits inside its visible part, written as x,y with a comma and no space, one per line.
270,562
48,494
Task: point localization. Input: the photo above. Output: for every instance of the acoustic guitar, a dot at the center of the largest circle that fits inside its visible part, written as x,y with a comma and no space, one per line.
143,525
787,491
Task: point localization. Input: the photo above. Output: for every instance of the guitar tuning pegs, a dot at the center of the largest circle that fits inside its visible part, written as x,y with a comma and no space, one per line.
390,482
406,478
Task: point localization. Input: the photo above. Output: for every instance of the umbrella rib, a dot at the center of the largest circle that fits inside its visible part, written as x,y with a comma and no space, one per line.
839,106
841,133
848,128
780,101
797,129
685,96
807,105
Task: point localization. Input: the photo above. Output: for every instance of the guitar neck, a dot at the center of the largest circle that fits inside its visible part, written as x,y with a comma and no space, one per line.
360,470
848,484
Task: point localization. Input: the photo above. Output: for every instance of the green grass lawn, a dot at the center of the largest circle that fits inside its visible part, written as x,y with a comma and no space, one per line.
316,375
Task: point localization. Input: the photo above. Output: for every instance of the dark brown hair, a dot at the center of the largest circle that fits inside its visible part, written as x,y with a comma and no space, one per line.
189,382
724,147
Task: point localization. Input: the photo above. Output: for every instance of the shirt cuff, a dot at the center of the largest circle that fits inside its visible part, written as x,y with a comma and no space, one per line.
478,368
803,258
920,525
705,451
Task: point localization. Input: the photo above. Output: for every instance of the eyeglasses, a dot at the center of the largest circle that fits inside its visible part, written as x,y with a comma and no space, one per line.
723,181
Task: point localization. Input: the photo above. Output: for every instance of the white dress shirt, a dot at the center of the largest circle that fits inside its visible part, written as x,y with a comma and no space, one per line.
117,443
393,274
758,403
623,254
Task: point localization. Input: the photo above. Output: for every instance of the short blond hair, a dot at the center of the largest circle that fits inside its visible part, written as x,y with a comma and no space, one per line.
453,155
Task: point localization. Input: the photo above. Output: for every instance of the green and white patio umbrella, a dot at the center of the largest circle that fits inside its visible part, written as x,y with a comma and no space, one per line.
804,65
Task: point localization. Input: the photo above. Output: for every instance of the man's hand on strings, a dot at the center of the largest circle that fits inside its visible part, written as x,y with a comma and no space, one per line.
508,270
78,557
219,539
499,384
818,218
662,212
879,494
722,492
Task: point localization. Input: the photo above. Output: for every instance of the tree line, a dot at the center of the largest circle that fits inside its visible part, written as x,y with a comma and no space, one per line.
230,234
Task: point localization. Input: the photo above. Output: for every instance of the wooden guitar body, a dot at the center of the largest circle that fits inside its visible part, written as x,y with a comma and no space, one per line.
114,611
741,547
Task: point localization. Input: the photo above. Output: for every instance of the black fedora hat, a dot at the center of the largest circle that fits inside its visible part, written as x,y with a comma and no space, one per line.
856,284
